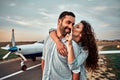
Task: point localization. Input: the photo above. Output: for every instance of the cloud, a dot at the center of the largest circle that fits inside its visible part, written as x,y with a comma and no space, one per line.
47,15
42,10
100,8
12,4
22,23
110,34
91,0
15,20
2,28
106,25
39,16
68,6
29,22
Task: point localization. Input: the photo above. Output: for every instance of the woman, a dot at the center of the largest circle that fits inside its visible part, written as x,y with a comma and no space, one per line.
83,35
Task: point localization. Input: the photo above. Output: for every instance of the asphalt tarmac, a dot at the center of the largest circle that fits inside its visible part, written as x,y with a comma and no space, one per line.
11,70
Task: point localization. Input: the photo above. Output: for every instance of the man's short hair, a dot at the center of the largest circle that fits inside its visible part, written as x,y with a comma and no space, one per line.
63,14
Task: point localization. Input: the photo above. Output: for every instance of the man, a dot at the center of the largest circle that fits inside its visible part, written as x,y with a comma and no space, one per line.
54,65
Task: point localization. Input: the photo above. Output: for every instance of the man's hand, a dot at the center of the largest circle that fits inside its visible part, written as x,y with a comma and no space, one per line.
61,48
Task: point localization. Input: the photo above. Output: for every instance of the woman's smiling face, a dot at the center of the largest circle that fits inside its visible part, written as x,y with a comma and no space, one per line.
77,29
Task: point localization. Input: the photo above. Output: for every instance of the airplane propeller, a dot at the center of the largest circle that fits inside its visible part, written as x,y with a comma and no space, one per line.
12,49
16,50
5,56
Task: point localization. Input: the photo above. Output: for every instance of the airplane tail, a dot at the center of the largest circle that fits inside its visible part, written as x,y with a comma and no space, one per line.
6,47
13,39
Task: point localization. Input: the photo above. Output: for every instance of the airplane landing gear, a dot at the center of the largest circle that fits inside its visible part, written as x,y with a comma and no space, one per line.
23,66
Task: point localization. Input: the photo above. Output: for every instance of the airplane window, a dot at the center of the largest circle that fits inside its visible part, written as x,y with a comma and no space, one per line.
19,49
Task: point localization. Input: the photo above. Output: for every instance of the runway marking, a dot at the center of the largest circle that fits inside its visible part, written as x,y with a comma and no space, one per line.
18,72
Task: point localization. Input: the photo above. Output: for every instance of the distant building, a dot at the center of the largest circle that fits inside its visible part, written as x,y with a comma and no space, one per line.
118,46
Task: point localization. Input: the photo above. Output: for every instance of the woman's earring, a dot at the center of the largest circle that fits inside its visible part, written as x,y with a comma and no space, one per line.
80,35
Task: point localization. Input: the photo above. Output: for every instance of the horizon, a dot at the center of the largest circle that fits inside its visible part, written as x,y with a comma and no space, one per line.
43,40
32,20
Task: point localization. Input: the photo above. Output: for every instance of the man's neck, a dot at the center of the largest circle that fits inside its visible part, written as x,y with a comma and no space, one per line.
59,34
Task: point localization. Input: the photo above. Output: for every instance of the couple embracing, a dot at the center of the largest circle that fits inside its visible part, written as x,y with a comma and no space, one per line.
69,50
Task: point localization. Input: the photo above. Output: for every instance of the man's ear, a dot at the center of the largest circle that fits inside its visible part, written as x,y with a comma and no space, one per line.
59,21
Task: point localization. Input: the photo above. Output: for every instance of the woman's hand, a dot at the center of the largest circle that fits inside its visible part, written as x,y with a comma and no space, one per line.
61,48
69,39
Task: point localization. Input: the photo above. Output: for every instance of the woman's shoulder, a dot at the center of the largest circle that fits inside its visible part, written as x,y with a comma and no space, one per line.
74,43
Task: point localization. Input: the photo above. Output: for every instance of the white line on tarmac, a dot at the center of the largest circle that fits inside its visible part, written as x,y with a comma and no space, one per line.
18,72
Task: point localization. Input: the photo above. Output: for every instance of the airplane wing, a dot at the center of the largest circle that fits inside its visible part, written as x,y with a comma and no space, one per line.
110,52
6,47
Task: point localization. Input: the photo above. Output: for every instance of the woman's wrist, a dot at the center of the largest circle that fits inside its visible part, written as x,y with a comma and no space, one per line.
70,43
70,46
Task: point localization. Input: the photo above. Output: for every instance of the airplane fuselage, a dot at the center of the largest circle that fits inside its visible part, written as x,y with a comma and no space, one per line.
31,49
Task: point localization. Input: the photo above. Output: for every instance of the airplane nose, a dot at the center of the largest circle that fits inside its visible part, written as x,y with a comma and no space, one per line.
13,49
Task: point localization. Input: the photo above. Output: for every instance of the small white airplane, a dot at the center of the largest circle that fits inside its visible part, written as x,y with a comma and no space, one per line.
24,51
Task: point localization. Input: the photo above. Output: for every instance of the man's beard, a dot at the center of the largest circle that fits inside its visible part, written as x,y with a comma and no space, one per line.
63,30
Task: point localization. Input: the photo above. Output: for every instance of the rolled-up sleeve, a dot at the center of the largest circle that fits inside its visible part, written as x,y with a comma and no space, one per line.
44,49
76,51
80,59
43,54
52,29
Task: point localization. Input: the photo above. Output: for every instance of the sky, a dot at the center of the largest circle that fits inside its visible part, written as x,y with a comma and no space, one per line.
32,19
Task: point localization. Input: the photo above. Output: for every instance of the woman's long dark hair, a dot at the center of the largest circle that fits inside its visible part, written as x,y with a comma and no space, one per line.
88,42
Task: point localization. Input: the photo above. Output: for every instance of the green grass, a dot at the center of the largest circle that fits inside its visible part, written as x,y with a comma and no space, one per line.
3,52
113,60
112,47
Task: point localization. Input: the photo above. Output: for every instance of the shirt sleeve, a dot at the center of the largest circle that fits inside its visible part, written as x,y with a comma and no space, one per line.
44,52
79,59
52,29
44,49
